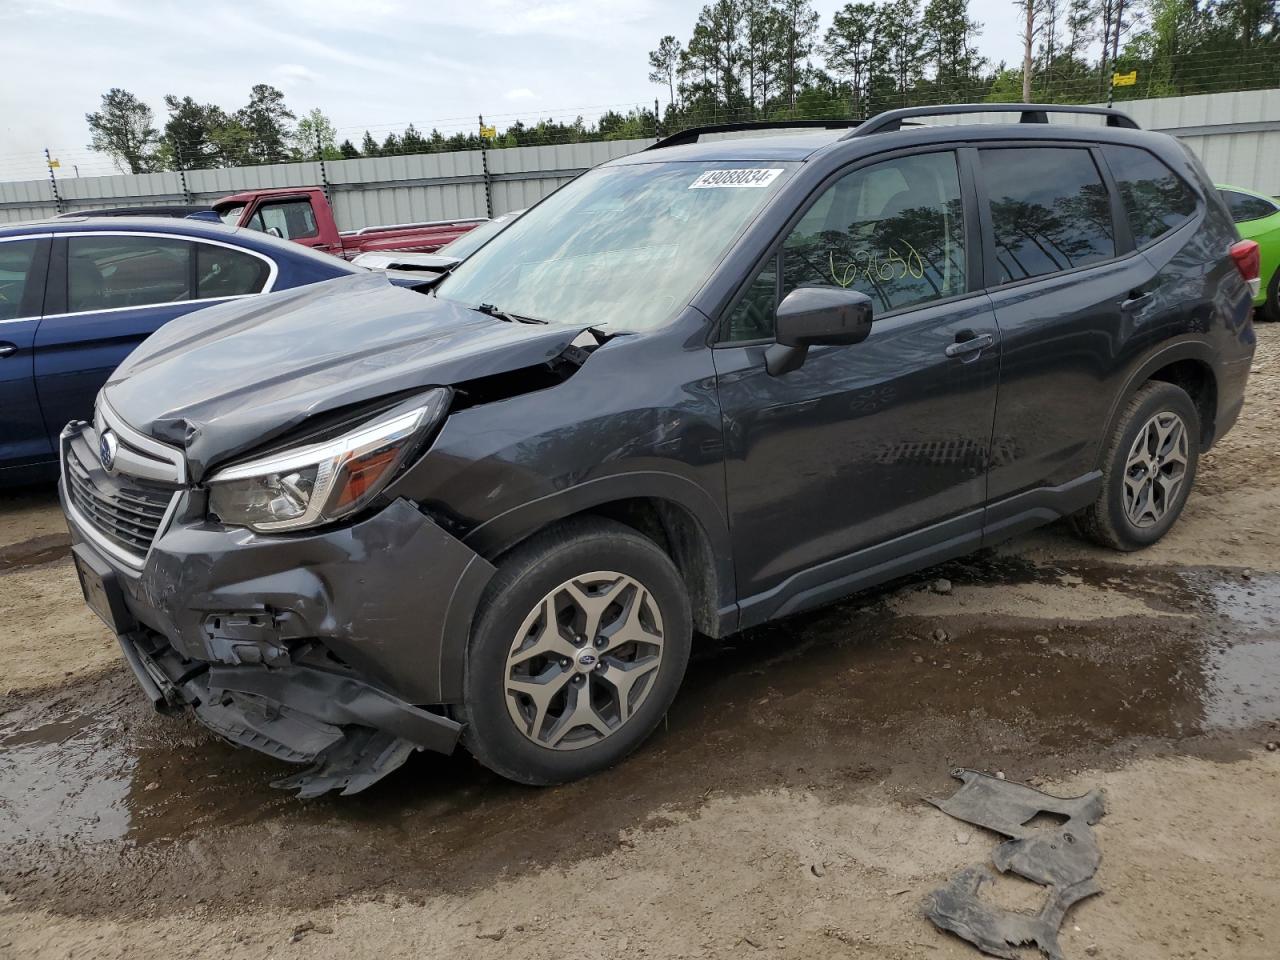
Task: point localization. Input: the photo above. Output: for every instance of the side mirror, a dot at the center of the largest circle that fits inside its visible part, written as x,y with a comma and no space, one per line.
811,316
275,232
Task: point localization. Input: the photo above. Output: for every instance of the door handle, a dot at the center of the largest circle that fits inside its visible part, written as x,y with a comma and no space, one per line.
8,349
963,348
1137,303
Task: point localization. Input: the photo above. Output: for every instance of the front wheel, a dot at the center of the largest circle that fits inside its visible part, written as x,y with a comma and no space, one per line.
1147,470
580,646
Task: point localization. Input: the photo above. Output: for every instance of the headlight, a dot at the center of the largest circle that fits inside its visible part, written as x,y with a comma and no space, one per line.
323,481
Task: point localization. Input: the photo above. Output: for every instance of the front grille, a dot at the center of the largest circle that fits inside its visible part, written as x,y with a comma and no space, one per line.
124,510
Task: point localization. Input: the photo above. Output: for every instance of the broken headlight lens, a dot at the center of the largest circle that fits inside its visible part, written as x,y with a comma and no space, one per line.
326,481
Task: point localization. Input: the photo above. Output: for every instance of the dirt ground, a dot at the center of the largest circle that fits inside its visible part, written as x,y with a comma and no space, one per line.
779,811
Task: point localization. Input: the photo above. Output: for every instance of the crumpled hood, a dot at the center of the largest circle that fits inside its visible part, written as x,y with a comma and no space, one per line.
222,380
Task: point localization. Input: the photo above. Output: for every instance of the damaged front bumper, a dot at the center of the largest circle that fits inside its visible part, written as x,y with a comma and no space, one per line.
339,647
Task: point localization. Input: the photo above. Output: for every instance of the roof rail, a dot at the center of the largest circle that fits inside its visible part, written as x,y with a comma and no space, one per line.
692,133
892,120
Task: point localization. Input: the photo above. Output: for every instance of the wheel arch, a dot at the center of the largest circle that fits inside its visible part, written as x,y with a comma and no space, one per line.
1188,365
677,514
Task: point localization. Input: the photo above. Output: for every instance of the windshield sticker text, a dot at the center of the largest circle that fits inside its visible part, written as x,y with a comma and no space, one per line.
735,178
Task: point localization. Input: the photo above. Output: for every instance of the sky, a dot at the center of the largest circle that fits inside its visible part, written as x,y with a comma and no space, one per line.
368,64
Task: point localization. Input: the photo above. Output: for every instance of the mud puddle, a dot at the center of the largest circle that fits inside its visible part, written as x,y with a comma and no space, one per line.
94,787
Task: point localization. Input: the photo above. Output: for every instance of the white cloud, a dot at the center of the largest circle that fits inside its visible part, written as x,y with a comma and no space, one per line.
289,75
375,64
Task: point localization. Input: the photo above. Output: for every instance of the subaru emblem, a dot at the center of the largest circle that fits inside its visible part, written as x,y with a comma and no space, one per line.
586,658
107,447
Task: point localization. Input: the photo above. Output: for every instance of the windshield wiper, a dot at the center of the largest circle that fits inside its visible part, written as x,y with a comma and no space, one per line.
490,310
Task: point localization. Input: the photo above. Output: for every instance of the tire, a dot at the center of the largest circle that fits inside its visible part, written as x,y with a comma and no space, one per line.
1270,310
1109,520
524,684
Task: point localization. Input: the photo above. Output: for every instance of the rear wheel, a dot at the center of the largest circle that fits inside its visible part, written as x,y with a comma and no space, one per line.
1271,309
582,641
1147,470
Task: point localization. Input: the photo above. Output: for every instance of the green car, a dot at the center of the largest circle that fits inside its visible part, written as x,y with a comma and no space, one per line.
1257,217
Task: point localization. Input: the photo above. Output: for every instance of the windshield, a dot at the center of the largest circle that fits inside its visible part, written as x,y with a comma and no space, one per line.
627,246
474,239
231,215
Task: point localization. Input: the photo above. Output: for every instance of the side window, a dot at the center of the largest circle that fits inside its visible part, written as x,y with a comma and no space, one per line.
290,219
1156,199
893,230
1244,207
1050,210
106,272
16,258
223,272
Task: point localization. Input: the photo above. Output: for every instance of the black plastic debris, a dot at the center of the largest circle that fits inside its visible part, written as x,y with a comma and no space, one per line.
1063,858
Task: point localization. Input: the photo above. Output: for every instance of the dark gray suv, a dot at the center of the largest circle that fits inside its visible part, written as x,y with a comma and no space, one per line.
697,388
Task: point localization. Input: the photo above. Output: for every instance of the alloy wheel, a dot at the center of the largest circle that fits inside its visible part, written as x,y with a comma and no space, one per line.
584,660
1155,469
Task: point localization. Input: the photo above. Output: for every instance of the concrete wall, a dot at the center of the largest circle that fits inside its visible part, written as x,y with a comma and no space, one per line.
1237,135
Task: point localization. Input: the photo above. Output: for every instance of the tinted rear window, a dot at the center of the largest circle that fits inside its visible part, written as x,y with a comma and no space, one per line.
1244,207
1049,209
1156,199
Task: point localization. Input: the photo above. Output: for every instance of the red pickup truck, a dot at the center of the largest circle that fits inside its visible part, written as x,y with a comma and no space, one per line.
303,215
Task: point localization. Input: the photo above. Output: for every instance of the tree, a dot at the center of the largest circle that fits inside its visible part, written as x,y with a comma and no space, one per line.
701,58
315,138
1079,28
199,135
848,47
124,129
369,146
266,119
348,150
664,62
766,26
799,29
413,141
901,45
950,33
1029,14
723,31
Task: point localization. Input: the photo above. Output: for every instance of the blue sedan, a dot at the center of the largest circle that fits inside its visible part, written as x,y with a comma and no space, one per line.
76,296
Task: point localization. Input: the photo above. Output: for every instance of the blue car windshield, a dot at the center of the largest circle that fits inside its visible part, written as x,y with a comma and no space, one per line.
625,246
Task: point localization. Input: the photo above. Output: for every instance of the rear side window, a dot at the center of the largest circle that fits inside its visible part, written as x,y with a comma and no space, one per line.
1155,198
223,272
288,219
108,272
1050,210
16,258
1245,207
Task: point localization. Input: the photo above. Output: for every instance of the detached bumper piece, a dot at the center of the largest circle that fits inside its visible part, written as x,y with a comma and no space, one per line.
1064,859
352,733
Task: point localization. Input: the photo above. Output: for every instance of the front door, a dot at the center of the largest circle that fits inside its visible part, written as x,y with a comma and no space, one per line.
883,441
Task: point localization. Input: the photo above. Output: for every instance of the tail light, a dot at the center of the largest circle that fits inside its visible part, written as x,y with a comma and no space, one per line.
1248,258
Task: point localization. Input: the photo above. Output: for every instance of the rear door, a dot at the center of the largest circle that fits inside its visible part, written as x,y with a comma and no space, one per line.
23,264
111,290
1068,293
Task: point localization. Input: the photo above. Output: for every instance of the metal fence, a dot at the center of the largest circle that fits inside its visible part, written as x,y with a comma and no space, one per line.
1237,135
364,192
